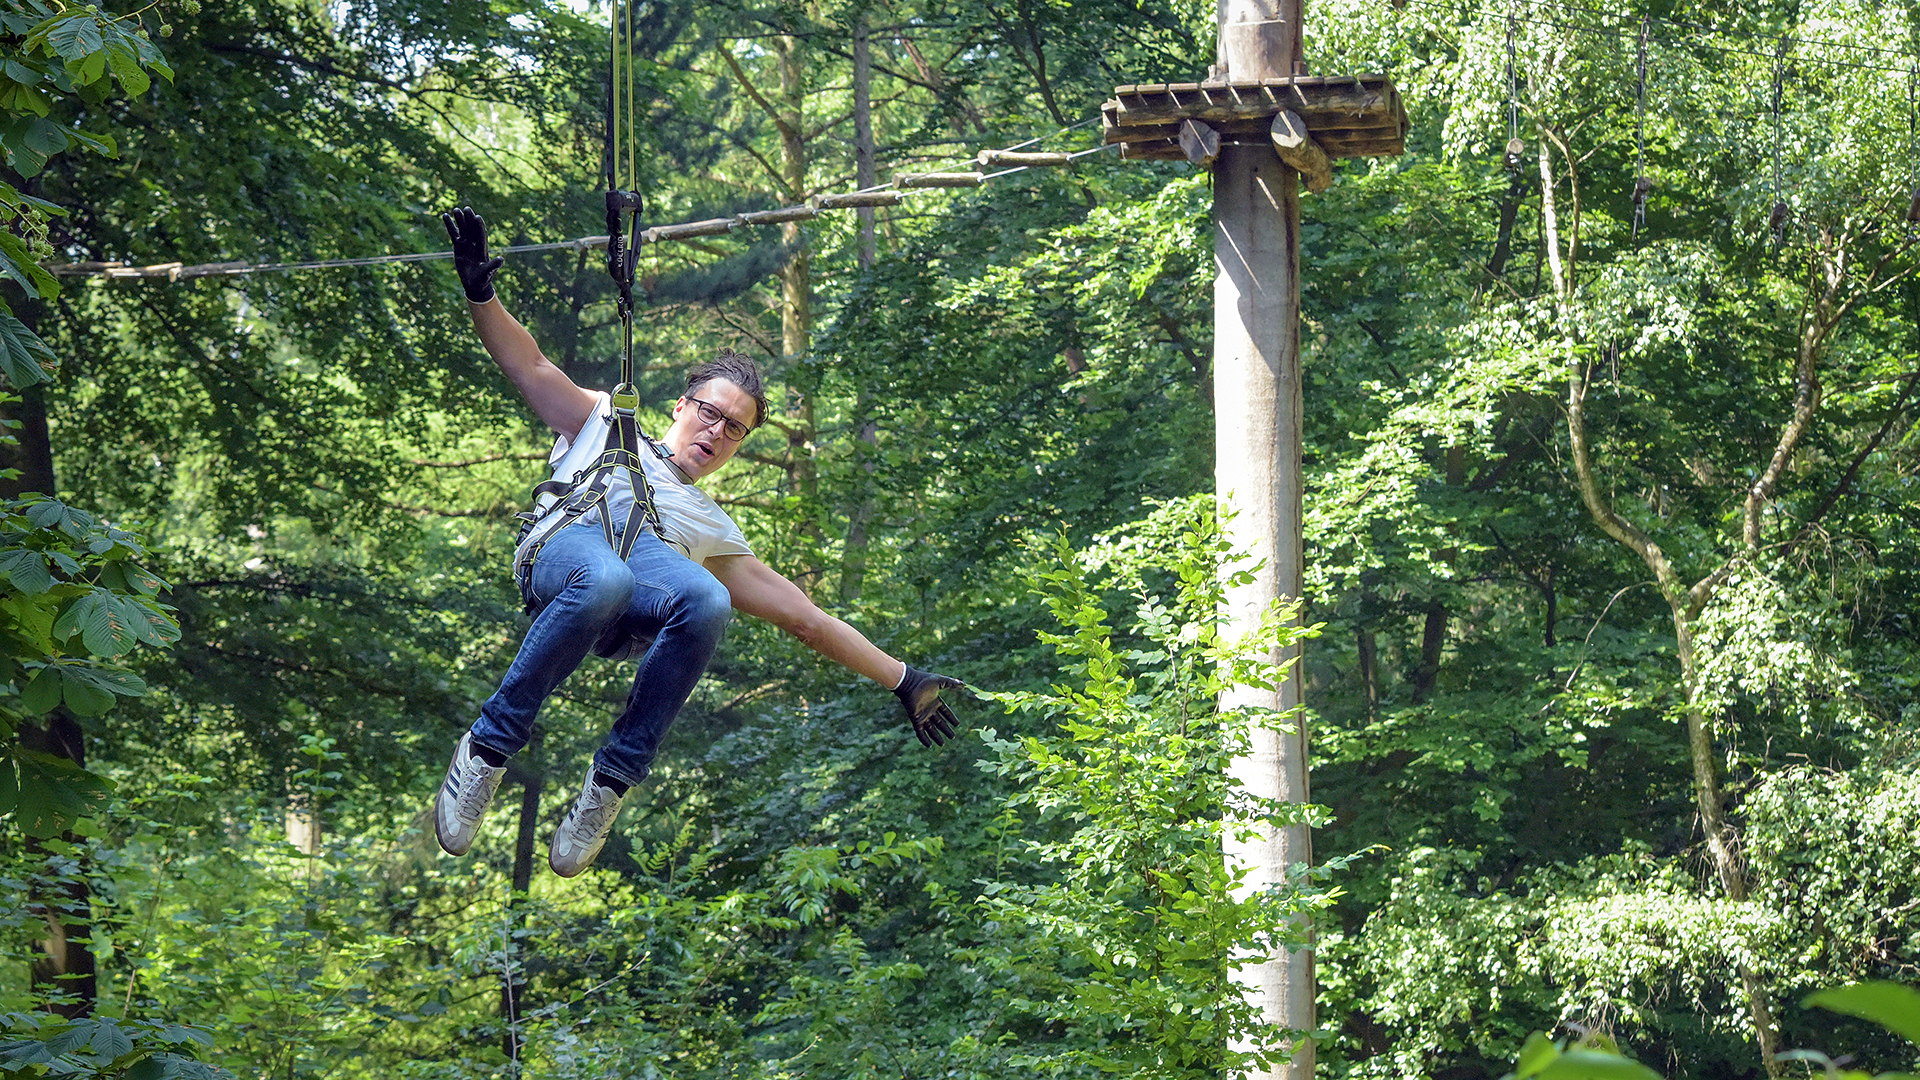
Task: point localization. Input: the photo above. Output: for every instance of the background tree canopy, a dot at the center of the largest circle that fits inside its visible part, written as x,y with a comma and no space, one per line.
1611,536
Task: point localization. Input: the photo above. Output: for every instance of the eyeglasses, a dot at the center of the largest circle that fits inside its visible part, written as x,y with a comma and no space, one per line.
733,430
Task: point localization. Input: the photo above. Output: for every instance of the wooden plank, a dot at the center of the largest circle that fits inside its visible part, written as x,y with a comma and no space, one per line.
1200,143
1297,148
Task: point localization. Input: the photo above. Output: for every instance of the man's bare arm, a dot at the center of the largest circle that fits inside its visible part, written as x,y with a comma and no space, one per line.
759,591
557,400
563,406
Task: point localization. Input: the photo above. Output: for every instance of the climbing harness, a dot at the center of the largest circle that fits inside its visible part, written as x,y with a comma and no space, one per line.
562,501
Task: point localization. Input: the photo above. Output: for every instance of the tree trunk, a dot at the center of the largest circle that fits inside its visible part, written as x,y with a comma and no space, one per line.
1684,603
865,165
65,967
32,452
796,315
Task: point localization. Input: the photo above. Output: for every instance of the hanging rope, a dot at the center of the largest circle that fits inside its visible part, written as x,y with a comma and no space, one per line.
1516,148
624,202
1641,185
1913,154
1777,222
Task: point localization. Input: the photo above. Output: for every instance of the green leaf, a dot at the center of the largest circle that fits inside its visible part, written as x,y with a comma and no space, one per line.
26,571
9,783
1891,1005
75,36
111,682
19,1055
54,793
31,632
53,514
24,358
17,262
101,622
109,1041
1535,1055
127,69
90,68
24,74
44,136
43,693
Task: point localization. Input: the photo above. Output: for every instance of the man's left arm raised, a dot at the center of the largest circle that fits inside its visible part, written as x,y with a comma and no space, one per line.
758,590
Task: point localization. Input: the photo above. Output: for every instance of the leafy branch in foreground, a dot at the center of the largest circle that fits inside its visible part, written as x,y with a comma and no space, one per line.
1128,799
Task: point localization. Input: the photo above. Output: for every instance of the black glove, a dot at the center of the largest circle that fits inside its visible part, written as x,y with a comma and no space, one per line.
919,694
468,232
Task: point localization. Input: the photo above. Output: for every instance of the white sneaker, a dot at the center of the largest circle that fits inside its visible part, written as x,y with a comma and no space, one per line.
464,797
578,840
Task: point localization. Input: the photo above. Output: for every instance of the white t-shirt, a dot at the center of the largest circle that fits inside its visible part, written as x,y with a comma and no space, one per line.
690,519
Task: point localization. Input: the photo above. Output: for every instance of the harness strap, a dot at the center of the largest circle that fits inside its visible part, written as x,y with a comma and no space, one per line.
589,490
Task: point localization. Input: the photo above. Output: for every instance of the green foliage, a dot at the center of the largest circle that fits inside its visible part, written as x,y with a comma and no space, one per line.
50,53
102,1048
74,601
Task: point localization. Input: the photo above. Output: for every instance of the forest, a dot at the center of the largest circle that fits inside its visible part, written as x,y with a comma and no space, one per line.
1612,634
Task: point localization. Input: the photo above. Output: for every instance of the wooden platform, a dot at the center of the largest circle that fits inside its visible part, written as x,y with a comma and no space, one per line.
1347,115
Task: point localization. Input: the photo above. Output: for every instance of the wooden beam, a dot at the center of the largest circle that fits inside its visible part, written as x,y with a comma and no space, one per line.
1008,157
853,199
710,227
936,180
1169,149
776,217
1329,102
1152,151
1200,143
1256,127
1306,82
1363,147
1260,129
1297,148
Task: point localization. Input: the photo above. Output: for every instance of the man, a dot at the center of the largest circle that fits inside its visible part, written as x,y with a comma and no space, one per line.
678,585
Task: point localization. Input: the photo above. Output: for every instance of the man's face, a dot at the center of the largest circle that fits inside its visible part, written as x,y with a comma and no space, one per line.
699,446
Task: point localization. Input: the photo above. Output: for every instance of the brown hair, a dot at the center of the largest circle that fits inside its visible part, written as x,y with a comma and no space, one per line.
737,368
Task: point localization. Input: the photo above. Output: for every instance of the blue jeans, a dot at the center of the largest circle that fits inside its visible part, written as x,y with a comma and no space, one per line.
582,587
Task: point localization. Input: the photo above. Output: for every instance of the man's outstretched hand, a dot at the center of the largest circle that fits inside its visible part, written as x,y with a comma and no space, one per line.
468,231
919,694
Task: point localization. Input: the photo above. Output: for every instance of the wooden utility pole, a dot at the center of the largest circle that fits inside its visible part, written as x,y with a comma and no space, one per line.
1262,125
1257,456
